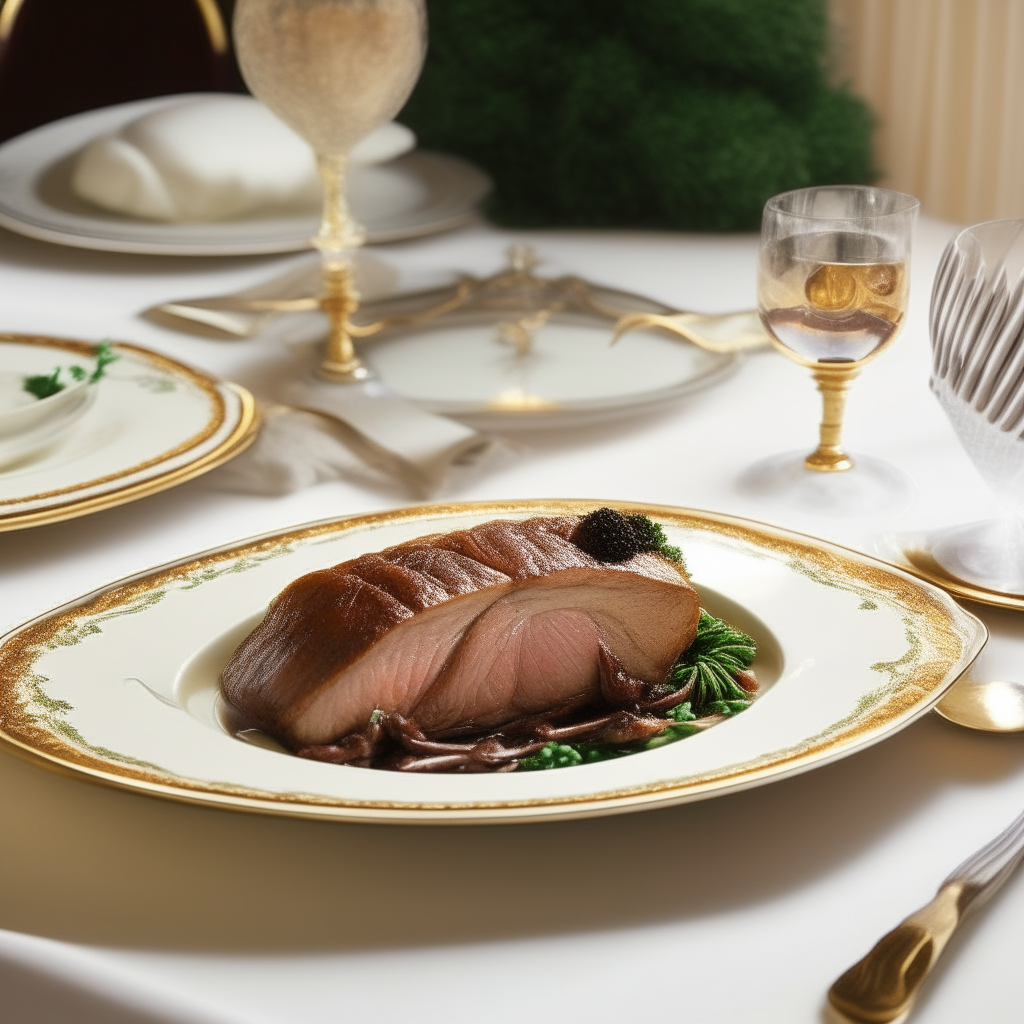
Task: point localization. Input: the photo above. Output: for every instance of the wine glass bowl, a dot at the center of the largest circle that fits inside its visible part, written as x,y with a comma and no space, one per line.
833,286
836,312
334,71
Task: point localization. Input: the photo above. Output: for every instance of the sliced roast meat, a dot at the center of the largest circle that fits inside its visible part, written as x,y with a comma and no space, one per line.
459,632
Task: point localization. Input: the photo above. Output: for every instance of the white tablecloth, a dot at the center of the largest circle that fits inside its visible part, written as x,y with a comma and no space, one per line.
739,909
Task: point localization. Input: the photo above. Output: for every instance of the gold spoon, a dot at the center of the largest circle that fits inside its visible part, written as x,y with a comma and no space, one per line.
995,706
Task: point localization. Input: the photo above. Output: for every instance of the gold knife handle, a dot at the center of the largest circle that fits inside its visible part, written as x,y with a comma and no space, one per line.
882,987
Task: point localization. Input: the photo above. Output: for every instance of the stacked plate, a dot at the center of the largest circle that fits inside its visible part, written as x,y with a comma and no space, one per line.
149,424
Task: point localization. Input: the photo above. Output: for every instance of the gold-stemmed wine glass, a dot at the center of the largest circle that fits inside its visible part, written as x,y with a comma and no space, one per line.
334,71
832,291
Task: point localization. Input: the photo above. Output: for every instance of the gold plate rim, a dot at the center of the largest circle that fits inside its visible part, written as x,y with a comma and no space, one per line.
240,437
921,564
68,759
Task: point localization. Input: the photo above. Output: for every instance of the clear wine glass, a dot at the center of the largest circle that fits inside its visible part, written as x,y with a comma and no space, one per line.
833,284
334,71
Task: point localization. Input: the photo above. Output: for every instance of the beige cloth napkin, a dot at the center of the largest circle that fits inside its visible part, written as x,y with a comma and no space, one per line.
314,431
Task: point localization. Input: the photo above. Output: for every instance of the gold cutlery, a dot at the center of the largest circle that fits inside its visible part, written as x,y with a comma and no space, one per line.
882,987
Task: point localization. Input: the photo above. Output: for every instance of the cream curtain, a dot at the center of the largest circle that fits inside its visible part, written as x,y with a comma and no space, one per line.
946,78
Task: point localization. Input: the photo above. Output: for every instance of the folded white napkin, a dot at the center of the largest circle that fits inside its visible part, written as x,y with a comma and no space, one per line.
212,157
359,432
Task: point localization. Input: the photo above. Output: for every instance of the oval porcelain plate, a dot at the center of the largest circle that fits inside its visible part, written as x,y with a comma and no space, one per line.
121,685
153,423
417,194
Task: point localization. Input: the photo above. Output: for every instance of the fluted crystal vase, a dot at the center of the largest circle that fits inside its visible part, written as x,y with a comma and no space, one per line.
977,332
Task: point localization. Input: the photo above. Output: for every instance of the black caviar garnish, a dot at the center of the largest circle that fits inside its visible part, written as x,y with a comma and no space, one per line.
610,536
607,535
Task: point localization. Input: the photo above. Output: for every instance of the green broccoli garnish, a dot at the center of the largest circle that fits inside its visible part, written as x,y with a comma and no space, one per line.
681,713
727,707
554,755
44,385
593,752
711,662
568,755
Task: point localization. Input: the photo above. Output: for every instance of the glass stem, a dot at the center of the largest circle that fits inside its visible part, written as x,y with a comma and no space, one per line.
833,382
337,237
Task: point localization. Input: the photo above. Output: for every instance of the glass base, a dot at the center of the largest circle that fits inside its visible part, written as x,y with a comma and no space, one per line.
871,487
989,554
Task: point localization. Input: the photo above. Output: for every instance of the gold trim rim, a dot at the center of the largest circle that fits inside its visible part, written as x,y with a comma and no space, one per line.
239,438
875,726
205,384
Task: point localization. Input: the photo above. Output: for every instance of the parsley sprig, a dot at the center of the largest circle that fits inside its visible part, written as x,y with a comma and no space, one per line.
44,385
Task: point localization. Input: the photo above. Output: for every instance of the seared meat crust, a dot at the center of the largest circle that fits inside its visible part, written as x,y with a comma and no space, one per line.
460,632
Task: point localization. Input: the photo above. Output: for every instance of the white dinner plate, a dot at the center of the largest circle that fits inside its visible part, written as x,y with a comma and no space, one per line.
154,423
417,194
121,686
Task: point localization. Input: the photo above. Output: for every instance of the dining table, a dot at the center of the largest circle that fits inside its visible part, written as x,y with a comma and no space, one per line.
123,907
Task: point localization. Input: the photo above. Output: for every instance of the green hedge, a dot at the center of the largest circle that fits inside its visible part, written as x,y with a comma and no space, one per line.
676,114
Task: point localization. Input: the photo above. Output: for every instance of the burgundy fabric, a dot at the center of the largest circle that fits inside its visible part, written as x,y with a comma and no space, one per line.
66,56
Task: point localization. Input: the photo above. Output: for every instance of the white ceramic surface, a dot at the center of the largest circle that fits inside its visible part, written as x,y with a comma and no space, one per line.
417,194
28,425
124,683
148,419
